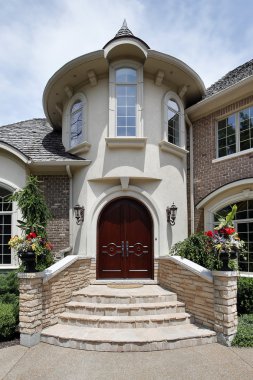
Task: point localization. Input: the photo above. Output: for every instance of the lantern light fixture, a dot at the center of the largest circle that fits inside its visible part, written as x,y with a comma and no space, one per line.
79,214
171,214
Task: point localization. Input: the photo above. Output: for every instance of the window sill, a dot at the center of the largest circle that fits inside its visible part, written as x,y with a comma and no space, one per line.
8,267
126,142
80,148
234,155
168,147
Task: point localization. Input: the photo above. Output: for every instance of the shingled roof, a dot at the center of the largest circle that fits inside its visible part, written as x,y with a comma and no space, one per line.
233,77
36,140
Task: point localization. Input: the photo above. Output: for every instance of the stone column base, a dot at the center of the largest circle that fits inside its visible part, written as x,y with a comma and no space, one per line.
28,340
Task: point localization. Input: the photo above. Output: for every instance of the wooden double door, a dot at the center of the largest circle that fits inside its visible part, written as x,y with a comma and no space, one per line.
125,241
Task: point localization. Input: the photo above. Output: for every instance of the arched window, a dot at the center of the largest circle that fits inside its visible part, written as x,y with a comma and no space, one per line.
76,123
126,101
5,226
173,113
244,225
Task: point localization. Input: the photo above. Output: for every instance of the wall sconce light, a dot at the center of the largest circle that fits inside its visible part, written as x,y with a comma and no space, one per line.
79,214
171,214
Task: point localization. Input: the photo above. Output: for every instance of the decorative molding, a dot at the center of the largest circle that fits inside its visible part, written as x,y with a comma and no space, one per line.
124,183
69,91
159,77
92,78
168,147
126,142
182,91
59,108
80,148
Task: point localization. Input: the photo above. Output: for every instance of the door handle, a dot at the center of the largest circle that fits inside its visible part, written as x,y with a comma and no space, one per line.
127,249
122,248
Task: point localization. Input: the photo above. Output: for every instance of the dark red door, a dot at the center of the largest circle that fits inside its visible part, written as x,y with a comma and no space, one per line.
125,245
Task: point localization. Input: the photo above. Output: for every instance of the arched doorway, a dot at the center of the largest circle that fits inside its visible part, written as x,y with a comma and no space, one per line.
125,240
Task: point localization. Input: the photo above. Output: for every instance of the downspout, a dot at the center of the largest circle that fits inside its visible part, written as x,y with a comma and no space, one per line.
192,214
67,250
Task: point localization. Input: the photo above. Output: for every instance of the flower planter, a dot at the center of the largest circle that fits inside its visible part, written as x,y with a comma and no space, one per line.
225,257
29,260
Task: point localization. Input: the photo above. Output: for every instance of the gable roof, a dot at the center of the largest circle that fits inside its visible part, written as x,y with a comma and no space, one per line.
37,141
232,77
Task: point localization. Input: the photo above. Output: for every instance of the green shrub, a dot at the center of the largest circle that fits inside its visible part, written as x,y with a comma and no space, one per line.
7,321
245,295
244,336
9,283
197,249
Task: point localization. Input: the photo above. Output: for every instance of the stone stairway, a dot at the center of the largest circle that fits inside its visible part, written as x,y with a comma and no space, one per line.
145,318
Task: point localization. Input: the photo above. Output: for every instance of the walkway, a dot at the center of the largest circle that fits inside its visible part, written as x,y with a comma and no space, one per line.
47,362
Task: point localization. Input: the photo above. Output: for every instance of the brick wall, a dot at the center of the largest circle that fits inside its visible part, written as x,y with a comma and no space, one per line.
210,176
56,192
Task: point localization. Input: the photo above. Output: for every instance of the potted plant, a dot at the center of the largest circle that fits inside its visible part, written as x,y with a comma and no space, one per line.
226,242
32,247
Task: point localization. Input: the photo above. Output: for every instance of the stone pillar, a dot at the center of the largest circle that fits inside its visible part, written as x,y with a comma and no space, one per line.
30,308
225,305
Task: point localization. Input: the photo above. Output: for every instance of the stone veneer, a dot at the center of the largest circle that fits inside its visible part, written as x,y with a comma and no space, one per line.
211,297
43,295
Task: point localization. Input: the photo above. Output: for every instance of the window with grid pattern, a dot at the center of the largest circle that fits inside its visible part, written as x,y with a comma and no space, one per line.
235,133
173,122
5,226
126,99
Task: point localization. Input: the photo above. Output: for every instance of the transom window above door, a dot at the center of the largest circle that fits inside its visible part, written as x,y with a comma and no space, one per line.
126,100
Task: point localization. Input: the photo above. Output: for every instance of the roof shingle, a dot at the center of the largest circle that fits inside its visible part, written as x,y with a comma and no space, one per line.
37,140
232,77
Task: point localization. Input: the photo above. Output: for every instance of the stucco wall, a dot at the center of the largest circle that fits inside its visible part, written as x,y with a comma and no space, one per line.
156,178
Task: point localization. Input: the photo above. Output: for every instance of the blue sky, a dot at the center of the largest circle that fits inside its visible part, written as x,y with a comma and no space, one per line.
37,37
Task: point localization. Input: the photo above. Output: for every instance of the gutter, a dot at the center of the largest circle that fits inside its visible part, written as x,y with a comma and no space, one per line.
68,170
192,214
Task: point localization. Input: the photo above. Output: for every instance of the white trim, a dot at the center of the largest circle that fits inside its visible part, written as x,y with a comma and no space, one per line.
168,147
58,267
84,147
15,152
233,155
133,192
126,142
223,189
112,96
197,269
170,95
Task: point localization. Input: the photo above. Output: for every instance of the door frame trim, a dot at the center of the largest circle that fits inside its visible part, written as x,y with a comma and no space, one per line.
152,232
159,218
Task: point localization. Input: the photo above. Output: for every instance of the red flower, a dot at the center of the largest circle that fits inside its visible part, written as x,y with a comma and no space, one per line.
229,231
209,233
31,235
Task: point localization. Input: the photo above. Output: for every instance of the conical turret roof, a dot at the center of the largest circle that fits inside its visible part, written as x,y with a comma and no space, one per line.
125,32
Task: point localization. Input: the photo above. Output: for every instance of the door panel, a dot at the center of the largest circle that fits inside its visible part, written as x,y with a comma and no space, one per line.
125,241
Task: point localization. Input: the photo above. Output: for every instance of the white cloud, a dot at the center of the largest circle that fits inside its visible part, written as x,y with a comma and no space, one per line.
37,38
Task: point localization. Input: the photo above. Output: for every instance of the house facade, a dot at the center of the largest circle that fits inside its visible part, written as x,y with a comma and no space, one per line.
130,132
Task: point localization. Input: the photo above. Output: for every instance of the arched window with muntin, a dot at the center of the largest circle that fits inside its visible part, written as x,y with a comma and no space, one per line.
173,113
76,123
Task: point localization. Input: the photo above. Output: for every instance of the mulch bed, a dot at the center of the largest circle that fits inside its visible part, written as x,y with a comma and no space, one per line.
7,343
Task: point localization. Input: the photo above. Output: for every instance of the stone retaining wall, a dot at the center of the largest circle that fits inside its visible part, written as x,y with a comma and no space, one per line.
211,297
43,295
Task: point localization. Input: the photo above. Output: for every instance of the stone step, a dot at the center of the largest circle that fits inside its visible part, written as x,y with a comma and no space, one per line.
105,294
138,339
128,309
138,321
